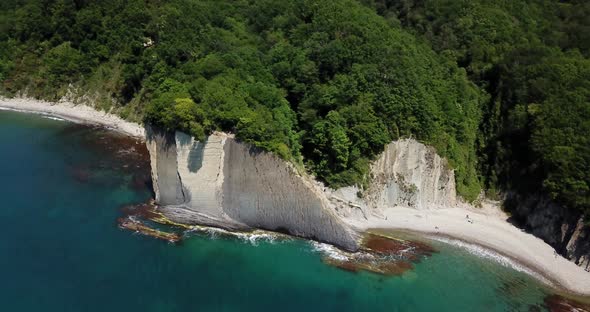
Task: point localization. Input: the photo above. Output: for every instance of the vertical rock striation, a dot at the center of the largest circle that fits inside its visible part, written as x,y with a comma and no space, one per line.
266,192
225,183
166,182
222,182
200,167
411,174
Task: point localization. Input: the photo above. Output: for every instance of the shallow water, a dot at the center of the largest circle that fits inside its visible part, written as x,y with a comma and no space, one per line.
61,250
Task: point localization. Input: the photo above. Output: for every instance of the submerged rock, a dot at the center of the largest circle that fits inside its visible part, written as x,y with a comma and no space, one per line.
139,227
382,255
557,303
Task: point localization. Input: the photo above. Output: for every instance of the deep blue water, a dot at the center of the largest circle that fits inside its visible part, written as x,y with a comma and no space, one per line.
63,187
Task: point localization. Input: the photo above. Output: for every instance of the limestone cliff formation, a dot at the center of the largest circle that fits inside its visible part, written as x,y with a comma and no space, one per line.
408,174
166,183
226,183
411,174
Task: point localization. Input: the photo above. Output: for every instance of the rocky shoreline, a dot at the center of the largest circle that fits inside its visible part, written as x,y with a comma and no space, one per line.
412,193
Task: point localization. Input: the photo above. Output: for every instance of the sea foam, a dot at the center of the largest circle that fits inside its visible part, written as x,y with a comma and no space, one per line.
492,255
252,238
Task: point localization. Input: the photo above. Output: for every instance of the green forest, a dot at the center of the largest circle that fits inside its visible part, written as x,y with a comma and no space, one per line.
499,88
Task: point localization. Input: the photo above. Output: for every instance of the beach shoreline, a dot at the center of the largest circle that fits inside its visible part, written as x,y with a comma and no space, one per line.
486,227
490,230
77,113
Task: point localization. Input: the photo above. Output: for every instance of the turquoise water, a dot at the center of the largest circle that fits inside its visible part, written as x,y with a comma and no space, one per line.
61,250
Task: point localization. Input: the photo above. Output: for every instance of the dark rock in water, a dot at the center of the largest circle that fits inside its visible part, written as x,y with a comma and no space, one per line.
141,181
145,219
146,211
139,227
384,255
557,303
380,266
391,246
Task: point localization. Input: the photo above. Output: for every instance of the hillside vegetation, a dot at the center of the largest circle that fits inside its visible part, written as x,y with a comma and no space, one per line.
500,88
531,57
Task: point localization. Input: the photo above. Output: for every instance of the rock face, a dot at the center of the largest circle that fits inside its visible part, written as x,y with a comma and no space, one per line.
200,165
166,182
408,174
563,229
222,182
411,174
263,191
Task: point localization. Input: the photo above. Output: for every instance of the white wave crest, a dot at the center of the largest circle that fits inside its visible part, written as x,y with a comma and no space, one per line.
53,118
255,237
249,237
41,114
492,255
330,251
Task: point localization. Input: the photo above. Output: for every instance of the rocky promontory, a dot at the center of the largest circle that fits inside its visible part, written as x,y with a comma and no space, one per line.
226,183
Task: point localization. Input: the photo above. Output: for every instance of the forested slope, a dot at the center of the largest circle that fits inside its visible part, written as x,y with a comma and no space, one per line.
500,88
326,83
531,57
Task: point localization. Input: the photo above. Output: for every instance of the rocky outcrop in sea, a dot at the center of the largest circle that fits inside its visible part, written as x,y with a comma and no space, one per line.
225,183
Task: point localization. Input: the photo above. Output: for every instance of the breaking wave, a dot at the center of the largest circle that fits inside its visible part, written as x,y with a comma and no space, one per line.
42,114
253,238
330,251
53,117
492,255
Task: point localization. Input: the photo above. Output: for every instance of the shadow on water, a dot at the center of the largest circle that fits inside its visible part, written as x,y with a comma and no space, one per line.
107,153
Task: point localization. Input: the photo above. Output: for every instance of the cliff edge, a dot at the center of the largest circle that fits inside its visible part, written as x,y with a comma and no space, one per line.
225,183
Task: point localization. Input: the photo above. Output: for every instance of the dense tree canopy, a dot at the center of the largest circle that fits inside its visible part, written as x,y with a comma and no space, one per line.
531,57
500,88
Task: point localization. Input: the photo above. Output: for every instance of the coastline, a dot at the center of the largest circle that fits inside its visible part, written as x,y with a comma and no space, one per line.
78,113
489,229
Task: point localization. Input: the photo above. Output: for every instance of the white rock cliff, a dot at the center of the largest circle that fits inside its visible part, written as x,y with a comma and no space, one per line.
225,183
222,182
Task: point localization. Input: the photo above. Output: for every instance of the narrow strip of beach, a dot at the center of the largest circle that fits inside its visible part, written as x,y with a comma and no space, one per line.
489,229
78,113
484,227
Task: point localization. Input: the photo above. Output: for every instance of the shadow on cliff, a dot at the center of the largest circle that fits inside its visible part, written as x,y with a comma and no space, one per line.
196,151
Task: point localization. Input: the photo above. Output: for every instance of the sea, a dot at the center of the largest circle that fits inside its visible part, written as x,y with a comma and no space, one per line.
64,185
